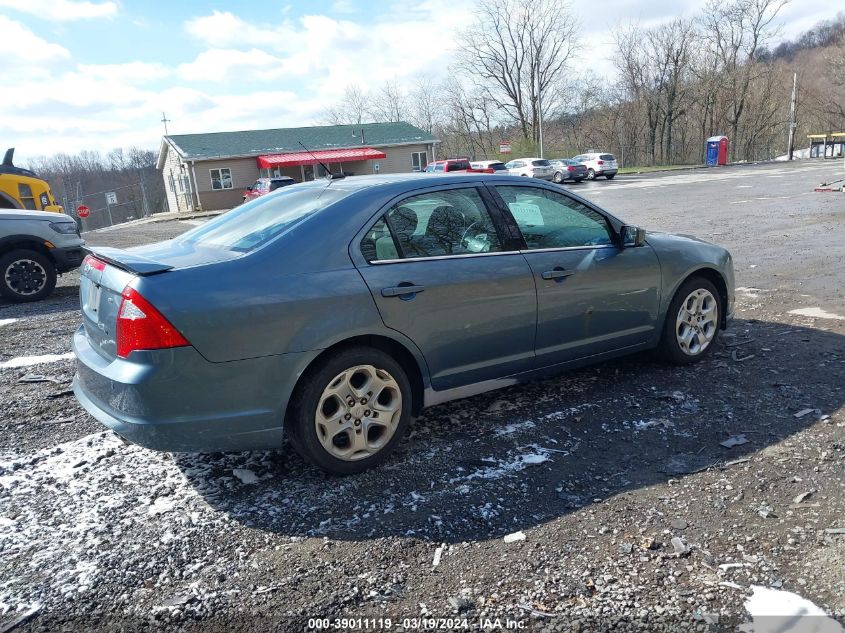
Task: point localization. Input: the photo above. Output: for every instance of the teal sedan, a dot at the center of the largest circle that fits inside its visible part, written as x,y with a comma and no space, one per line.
331,312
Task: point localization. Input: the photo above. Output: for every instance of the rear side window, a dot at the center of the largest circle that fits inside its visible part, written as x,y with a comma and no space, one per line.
540,163
607,157
442,223
255,223
548,219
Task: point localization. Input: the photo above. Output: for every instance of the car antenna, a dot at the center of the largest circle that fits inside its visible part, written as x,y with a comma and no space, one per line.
329,174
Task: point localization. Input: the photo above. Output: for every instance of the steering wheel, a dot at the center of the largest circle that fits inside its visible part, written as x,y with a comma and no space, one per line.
474,244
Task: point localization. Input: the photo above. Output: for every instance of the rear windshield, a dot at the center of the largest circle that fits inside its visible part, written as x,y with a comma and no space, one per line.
540,163
607,157
497,166
255,223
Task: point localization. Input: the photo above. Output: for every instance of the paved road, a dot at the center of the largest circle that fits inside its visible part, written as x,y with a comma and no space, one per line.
782,235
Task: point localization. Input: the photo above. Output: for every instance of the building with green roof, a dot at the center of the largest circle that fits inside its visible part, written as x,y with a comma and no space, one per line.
211,170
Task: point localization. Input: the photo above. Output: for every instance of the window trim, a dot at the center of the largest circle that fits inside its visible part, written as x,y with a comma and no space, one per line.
614,224
422,161
220,178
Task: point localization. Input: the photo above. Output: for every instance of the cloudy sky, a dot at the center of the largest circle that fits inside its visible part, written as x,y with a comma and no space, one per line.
94,74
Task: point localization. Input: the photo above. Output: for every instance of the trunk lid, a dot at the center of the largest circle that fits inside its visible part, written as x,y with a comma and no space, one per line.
102,282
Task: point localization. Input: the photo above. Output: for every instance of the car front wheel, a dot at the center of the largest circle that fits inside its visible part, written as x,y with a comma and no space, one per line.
351,412
692,322
558,177
26,275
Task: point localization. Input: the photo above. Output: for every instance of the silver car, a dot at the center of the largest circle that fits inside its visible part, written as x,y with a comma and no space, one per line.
531,167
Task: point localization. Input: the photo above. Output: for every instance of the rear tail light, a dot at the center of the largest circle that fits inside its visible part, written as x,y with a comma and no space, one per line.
570,168
141,327
93,262
600,162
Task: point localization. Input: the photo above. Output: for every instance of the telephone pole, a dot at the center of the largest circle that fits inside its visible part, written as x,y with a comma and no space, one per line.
792,124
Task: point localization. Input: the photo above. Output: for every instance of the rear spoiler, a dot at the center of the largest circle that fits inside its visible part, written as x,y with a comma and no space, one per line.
130,262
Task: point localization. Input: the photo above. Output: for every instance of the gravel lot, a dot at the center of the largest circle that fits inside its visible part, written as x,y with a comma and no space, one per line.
599,500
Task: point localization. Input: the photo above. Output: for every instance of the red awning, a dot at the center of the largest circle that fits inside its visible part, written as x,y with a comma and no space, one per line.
325,156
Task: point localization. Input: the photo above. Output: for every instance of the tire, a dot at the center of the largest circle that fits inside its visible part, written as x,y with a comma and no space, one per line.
322,405
558,177
703,297
610,176
26,275
591,175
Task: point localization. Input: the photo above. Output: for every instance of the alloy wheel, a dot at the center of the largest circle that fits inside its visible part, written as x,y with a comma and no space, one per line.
25,277
697,322
358,412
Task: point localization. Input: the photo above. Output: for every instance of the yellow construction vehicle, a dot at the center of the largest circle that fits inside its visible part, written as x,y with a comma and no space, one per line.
22,189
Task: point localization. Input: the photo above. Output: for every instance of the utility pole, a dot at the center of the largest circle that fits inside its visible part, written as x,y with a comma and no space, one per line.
539,110
165,120
792,124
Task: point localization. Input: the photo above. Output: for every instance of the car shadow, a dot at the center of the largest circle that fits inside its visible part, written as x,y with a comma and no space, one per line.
515,458
65,298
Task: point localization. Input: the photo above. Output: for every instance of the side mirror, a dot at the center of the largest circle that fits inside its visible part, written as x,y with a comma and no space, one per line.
632,236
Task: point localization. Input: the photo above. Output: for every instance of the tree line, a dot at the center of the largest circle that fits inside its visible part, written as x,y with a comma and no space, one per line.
86,177
675,84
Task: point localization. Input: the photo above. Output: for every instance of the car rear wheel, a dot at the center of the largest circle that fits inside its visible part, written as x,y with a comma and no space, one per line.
692,322
591,175
610,176
26,275
351,412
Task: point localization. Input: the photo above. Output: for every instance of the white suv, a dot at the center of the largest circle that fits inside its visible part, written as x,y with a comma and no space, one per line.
532,167
599,165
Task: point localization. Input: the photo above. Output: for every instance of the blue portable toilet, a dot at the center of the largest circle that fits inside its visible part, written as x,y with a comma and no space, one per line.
717,150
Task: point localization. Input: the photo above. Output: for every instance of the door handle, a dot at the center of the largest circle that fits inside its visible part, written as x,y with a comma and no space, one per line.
557,273
400,291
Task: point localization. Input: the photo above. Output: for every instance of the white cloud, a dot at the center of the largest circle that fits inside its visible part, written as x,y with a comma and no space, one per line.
219,64
19,44
343,6
63,10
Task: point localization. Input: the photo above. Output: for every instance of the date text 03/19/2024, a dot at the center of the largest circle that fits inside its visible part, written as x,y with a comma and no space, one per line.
408,624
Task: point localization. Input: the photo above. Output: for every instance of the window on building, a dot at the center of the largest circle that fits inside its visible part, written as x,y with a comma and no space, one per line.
221,178
171,182
419,161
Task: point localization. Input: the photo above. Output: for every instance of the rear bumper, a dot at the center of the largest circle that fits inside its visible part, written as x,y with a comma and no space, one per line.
175,400
606,172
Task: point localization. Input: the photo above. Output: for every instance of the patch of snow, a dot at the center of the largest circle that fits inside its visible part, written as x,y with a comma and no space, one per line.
506,467
28,361
515,428
774,610
246,476
816,313
6,322
514,537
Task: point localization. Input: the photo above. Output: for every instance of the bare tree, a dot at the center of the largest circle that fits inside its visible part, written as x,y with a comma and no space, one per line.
390,103
425,103
739,29
516,55
353,108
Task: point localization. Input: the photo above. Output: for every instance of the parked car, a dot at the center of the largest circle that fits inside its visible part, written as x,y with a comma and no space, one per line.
531,167
36,246
449,165
331,312
489,166
568,169
263,186
598,164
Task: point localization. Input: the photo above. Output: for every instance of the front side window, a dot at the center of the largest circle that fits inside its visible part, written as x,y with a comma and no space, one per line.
436,224
439,167
418,161
221,178
548,219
